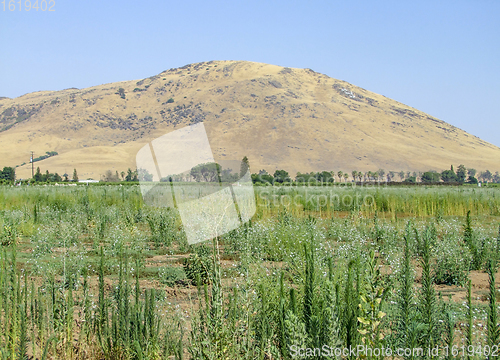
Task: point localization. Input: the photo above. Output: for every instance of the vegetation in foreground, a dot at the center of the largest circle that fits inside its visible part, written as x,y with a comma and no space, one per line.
92,272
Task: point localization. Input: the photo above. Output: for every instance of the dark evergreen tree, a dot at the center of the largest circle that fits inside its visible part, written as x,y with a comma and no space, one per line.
245,165
449,176
130,175
461,174
38,175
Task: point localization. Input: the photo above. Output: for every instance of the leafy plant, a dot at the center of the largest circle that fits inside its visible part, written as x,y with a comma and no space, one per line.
171,275
493,326
476,245
199,266
452,261
372,298
469,338
428,301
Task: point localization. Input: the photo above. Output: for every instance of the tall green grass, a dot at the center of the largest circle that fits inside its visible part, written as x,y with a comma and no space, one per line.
76,283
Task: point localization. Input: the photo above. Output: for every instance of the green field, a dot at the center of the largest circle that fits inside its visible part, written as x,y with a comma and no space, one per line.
91,272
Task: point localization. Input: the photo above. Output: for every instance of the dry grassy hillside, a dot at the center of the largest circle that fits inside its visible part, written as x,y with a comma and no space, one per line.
294,119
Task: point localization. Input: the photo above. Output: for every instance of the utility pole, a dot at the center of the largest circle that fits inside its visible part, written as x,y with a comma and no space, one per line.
32,166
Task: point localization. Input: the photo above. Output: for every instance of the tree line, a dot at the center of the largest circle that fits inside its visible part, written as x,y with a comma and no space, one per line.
213,171
129,176
53,177
461,175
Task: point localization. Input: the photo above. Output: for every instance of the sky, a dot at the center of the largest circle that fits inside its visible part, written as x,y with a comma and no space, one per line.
441,57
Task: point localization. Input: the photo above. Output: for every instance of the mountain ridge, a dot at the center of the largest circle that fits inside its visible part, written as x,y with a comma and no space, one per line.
295,119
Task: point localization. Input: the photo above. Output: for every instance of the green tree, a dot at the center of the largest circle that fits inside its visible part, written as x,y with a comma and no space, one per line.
38,175
449,176
461,174
300,178
75,175
411,180
262,178
324,177
245,166
130,175
8,173
281,176
472,180
208,172
121,92
430,177
486,176
381,173
340,174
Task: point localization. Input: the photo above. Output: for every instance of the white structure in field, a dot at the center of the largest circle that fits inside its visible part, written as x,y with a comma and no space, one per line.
91,181
207,209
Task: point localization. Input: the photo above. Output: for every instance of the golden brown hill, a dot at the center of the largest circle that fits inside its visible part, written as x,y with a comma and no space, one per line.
295,119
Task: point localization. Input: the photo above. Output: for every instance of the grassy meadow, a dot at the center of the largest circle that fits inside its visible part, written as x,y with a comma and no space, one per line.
91,272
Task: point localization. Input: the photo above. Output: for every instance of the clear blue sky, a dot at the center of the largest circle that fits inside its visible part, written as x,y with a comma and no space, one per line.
441,57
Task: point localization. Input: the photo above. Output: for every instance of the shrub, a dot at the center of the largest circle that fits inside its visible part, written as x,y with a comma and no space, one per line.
9,235
171,275
453,262
121,92
411,180
199,266
169,101
479,246
162,226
